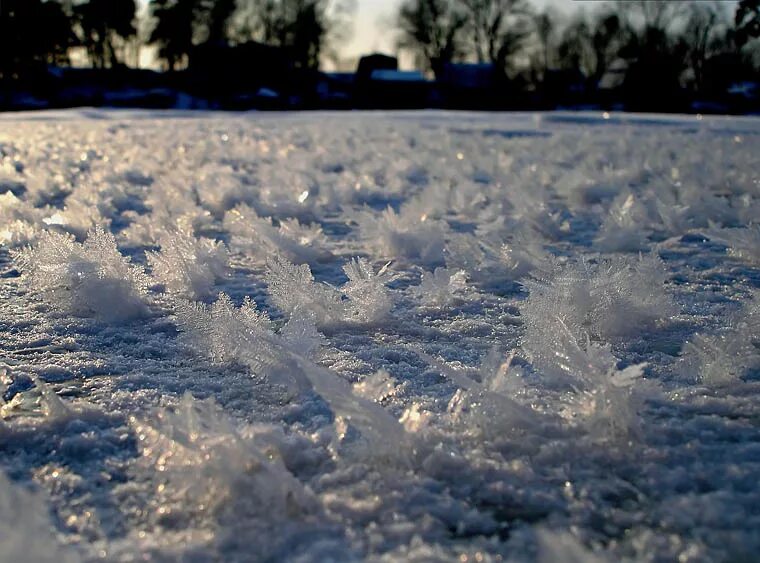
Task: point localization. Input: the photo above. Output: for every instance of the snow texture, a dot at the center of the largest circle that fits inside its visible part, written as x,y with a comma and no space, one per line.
414,336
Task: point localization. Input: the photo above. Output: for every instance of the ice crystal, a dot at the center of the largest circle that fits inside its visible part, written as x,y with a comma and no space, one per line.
369,300
524,211
229,189
188,266
742,243
717,359
495,264
259,237
363,300
82,212
89,279
37,402
171,205
564,547
523,256
481,404
293,287
625,227
441,287
723,357
612,298
415,420
227,333
210,469
300,333
18,233
377,387
27,531
482,262
405,235
20,220
600,397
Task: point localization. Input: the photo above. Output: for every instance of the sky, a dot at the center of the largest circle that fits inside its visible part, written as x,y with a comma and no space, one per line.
373,27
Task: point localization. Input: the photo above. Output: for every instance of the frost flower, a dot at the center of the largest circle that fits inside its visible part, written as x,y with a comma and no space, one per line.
298,243
188,266
413,237
441,286
89,279
363,300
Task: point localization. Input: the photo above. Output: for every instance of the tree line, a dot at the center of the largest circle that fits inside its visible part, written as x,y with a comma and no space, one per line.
303,27
34,33
699,46
37,32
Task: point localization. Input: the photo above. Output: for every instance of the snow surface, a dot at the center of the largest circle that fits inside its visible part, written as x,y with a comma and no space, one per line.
411,336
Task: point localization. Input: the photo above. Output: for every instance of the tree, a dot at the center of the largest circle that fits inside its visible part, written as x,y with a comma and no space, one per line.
433,30
104,26
262,20
497,29
33,33
214,17
593,45
574,50
703,39
545,26
656,55
181,24
608,39
54,35
173,30
747,21
302,26
307,31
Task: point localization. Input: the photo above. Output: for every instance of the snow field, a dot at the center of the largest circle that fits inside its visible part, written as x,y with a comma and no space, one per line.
379,336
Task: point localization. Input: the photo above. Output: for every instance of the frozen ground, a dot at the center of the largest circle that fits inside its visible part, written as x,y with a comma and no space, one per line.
467,337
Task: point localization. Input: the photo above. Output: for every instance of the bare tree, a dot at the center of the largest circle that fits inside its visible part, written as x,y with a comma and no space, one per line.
545,27
609,37
655,53
747,21
33,33
652,22
303,26
215,16
104,27
497,29
433,30
706,27
173,30
575,51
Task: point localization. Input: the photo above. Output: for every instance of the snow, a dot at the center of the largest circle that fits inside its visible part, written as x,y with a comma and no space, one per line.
379,336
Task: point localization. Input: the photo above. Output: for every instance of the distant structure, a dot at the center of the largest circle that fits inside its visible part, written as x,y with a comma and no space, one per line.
336,90
258,76
370,63
467,85
249,75
566,88
380,84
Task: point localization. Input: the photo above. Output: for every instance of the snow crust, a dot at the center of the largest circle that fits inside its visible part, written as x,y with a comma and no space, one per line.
412,336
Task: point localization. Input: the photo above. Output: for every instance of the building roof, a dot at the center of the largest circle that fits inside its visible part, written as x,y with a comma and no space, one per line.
397,75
